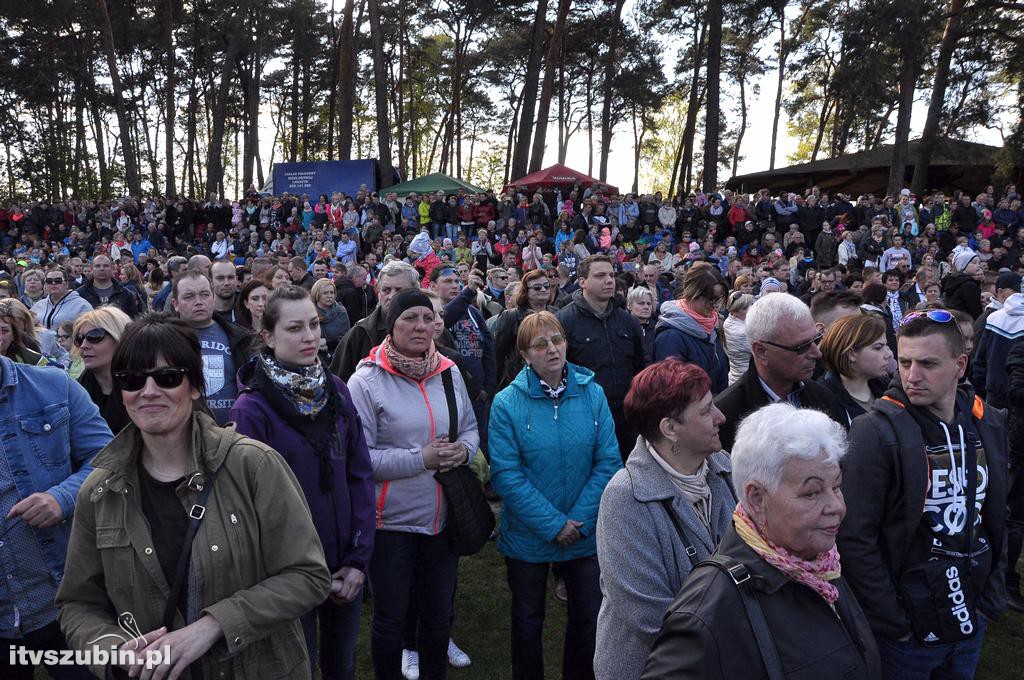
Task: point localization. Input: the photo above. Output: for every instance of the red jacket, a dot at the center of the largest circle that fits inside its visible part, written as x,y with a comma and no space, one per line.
484,213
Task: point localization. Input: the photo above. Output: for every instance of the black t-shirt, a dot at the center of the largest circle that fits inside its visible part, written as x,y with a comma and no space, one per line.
168,523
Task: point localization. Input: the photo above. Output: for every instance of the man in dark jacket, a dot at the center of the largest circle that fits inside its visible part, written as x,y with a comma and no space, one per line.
927,583
104,290
784,353
605,338
355,294
371,331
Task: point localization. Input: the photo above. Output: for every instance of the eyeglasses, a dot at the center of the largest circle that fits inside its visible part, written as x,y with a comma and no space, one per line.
936,315
61,280
798,349
541,344
62,336
165,378
537,287
95,337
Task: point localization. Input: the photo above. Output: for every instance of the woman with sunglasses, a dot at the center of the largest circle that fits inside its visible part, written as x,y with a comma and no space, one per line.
95,336
535,294
290,402
553,449
199,534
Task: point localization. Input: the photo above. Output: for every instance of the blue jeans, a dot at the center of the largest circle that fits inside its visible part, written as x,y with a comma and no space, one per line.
451,231
436,228
911,660
339,630
406,565
528,582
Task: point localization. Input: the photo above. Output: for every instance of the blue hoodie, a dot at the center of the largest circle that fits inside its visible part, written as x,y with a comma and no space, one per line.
679,335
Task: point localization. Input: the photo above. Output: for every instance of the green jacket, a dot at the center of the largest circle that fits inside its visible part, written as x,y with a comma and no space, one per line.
257,564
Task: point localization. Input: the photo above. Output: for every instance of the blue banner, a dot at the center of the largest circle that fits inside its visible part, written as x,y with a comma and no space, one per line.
324,177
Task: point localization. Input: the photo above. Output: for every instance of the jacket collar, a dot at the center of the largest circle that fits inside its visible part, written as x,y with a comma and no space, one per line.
10,375
120,456
650,483
380,359
529,382
765,577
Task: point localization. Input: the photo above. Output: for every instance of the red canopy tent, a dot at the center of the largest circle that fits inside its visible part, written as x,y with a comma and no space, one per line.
558,176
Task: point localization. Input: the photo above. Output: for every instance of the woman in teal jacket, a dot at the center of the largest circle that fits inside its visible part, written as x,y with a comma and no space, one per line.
553,450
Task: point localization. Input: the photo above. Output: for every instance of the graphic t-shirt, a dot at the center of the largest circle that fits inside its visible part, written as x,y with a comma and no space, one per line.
103,294
218,371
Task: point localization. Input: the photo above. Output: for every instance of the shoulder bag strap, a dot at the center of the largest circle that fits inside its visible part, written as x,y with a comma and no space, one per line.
453,407
196,513
755,615
680,529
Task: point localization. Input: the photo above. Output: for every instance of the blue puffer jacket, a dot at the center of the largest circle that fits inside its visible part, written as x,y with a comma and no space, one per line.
550,462
679,335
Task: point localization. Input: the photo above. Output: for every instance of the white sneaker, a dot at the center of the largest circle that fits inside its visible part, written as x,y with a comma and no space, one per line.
411,664
456,657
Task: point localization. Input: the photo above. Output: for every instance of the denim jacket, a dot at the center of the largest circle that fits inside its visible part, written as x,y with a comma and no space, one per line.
49,431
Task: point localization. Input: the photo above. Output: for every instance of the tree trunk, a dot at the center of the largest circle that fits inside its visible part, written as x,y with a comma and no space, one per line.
97,133
610,68
131,168
713,108
517,103
950,38
215,165
520,156
908,78
347,82
550,66
169,189
562,105
252,137
675,169
590,123
783,53
636,149
743,122
693,103
380,87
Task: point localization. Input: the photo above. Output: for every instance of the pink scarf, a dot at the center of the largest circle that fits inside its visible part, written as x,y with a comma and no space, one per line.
708,322
411,367
815,574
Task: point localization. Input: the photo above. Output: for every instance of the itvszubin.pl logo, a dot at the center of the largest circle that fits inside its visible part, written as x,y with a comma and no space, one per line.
122,651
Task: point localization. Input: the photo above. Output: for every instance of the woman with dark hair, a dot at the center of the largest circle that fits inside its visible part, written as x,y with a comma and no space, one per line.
290,402
688,327
857,357
176,504
252,299
874,296
661,515
535,294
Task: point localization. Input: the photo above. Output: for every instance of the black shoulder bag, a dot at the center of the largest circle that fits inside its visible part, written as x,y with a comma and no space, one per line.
470,519
196,514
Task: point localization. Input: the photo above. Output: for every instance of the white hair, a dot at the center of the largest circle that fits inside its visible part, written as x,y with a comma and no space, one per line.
772,435
637,292
773,312
397,268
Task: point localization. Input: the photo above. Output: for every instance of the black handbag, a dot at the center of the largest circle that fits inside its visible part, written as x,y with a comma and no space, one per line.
470,518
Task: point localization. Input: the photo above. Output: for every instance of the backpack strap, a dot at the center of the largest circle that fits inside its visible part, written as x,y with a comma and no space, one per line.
755,614
453,407
684,536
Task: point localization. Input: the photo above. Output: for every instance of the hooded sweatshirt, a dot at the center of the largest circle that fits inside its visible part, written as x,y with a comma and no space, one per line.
679,335
69,308
1003,330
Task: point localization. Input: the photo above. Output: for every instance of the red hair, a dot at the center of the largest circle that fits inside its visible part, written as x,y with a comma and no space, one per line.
663,390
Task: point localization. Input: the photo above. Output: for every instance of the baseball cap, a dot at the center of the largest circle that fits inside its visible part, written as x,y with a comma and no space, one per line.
1008,280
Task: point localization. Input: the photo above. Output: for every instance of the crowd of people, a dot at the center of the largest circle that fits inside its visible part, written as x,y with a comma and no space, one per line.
738,436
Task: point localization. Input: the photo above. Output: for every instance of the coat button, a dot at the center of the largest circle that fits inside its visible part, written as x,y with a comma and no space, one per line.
47,428
148,551
213,548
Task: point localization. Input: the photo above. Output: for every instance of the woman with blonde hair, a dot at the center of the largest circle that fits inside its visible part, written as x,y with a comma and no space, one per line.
18,339
334,321
857,355
95,336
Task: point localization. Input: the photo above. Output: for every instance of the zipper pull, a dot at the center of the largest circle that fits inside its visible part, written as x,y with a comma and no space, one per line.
234,520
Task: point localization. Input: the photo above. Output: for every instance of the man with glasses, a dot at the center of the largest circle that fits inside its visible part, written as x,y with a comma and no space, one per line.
59,305
784,353
497,281
925,488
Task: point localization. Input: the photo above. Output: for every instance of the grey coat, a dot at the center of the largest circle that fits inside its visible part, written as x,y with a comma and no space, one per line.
643,561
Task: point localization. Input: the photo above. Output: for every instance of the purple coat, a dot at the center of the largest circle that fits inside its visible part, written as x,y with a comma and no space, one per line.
344,519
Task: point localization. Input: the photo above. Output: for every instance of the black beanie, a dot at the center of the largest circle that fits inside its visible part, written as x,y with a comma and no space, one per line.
403,300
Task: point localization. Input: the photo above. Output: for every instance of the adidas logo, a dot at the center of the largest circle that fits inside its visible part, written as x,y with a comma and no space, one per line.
931,637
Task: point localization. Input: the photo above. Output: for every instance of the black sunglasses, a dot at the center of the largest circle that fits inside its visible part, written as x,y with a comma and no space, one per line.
166,378
798,349
95,336
61,280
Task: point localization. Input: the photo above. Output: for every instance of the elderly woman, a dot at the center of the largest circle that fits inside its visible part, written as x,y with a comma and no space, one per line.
334,321
553,449
771,602
858,360
534,294
640,303
688,327
734,332
95,336
296,406
402,392
201,534
661,515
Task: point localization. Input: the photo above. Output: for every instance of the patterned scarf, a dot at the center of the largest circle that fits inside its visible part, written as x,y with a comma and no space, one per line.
305,386
411,367
555,392
815,574
895,309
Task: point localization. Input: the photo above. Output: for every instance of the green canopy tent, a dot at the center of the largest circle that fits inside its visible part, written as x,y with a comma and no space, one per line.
432,183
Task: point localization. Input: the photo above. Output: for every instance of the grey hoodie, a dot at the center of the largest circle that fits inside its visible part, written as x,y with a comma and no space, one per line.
70,307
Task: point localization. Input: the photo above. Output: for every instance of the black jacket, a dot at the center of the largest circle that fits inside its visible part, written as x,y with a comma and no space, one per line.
707,634
357,343
358,302
885,482
960,291
240,339
832,381
121,297
611,345
746,396
1015,397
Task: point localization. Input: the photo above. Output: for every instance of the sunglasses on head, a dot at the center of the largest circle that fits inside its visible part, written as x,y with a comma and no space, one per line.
166,378
95,336
936,315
